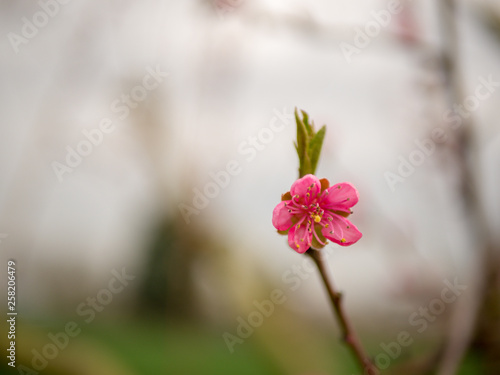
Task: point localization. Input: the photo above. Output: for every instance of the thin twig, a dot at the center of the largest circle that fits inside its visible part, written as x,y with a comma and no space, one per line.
349,336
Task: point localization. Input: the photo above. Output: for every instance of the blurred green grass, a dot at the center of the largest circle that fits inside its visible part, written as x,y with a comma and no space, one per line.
149,348
153,347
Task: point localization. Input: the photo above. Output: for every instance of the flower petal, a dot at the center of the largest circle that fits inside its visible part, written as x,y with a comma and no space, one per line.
302,185
341,231
282,219
299,238
341,196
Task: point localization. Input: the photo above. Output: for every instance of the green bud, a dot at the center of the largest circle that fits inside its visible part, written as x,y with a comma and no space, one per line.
309,143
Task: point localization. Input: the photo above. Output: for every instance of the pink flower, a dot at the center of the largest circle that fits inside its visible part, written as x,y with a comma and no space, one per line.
313,212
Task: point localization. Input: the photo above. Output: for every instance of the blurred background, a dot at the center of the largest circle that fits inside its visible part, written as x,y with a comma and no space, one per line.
145,144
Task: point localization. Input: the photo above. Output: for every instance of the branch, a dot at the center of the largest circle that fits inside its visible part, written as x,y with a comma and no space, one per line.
349,336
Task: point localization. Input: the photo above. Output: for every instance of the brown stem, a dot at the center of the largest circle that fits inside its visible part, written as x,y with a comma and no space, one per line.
349,336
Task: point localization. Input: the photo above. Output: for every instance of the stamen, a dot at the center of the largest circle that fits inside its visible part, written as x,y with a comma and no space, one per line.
294,199
295,211
300,222
343,240
317,237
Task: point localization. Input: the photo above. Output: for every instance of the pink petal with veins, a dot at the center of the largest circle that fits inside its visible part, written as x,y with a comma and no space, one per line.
341,196
282,219
299,239
341,231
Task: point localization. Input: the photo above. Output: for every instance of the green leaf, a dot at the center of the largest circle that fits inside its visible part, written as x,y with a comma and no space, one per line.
302,143
308,143
302,138
315,146
309,128
305,166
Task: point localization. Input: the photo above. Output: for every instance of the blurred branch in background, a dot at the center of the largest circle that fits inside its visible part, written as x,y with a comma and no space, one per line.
487,334
482,311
